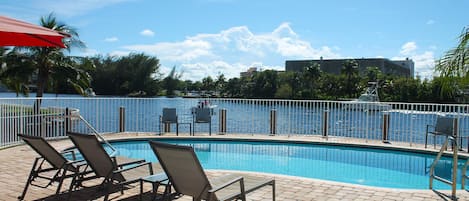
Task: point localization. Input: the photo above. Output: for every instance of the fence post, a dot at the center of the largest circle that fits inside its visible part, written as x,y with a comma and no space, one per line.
121,119
68,119
222,121
386,119
273,122
325,123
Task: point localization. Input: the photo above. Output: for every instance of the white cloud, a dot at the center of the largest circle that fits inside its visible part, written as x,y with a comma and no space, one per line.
147,32
111,39
408,48
234,50
87,52
424,62
119,53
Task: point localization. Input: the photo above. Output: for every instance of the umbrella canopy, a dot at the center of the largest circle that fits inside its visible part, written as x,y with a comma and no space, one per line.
17,33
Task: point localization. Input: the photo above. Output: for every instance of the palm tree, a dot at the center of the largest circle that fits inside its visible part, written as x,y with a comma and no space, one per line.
49,58
170,82
456,61
17,74
48,61
454,65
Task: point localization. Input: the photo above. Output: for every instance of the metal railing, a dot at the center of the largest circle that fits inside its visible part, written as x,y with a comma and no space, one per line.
453,181
391,122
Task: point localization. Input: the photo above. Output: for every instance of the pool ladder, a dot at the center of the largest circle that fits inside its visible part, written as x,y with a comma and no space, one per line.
455,166
464,175
98,135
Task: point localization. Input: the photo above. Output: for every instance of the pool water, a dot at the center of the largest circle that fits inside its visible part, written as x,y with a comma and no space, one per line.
364,166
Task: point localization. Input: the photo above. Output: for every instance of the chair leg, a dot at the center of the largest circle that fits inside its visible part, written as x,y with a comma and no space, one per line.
61,180
426,140
107,189
273,190
30,179
141,190
72,184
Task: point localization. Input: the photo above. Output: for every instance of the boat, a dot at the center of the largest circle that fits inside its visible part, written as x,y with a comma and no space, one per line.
89,92
368,101
204,104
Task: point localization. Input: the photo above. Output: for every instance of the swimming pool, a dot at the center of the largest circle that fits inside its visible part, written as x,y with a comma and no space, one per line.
355,165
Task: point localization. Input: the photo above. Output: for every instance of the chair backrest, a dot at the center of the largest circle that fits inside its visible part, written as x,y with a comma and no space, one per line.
45,150
445,125
202,115
94,153
169,115
183,169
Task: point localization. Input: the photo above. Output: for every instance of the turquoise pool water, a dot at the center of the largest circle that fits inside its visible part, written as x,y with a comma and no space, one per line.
365,166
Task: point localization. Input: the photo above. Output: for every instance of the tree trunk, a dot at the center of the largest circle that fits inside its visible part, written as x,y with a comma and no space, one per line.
42,77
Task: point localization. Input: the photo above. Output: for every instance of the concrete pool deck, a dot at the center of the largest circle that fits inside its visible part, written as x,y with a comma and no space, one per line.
15,164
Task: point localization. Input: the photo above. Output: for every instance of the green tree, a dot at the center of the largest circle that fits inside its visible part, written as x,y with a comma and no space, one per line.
452,66
350,69
293,80
133,74
47,59
455,61
233,88
265,84
220,84
17,72
312,73
72,75
170,82
208,84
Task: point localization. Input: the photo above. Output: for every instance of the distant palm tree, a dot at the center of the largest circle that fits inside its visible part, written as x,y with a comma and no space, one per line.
350,69
312,73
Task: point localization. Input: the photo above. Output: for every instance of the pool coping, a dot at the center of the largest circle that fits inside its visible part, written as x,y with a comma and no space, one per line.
296,140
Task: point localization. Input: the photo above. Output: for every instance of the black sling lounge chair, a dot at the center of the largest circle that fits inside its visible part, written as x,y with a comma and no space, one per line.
58,163
105,166
188,177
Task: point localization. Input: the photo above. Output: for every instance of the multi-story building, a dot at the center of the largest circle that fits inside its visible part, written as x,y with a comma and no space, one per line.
334,66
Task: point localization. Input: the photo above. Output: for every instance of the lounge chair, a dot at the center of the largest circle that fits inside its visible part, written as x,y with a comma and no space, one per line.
188,177
105,166
59,165
444,127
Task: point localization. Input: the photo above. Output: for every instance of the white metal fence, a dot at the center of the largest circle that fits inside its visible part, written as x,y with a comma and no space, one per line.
394,122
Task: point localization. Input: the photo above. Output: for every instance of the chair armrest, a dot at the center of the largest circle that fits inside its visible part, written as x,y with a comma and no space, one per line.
135,166
114,159
428,128
237,179
71,151
77,161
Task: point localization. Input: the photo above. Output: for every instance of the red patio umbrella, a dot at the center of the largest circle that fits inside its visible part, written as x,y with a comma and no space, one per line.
18,33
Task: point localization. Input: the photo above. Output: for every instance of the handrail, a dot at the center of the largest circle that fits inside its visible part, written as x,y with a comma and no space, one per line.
464,175
455,166
96,133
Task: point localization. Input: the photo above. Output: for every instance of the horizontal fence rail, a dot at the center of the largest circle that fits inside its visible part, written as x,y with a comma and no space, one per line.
389,122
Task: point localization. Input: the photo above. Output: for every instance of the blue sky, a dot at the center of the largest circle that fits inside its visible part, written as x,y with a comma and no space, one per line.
208,37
